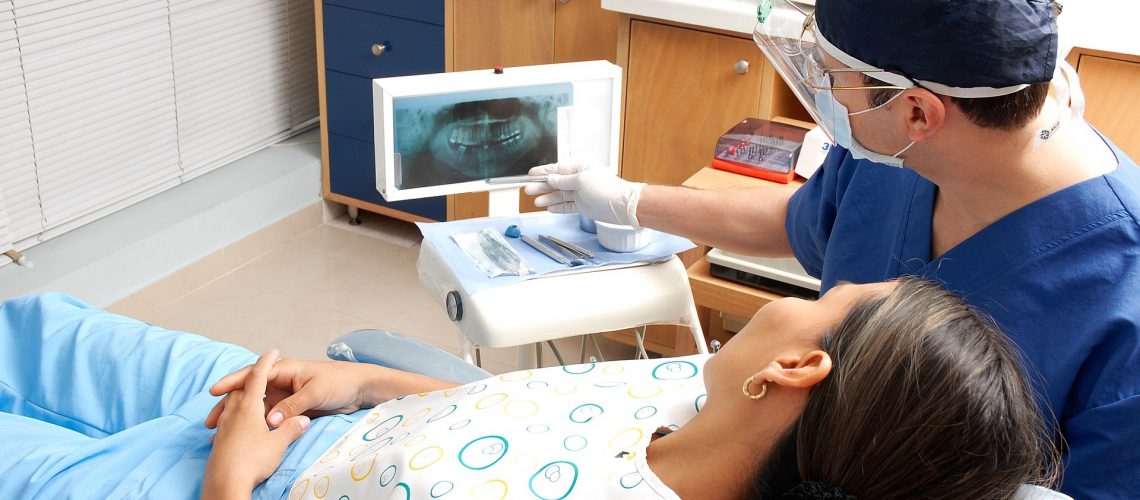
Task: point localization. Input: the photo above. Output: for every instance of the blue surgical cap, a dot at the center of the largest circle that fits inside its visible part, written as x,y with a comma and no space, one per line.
960,44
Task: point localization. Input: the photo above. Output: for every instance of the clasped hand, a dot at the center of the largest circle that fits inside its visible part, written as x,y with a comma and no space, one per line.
271,394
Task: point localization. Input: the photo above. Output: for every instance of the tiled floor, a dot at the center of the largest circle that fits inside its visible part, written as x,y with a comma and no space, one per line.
300,284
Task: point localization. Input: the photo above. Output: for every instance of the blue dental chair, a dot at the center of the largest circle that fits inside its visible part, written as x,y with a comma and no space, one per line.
390,349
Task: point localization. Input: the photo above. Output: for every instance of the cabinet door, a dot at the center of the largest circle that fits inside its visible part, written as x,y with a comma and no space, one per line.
585,31
683,91
1112,94
491,33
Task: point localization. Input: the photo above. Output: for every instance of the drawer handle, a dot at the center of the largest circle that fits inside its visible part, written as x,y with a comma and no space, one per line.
379,49
563,1
741,66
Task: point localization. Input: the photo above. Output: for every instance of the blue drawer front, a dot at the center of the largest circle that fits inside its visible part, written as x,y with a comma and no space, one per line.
413,47
352,173
349,101
428,11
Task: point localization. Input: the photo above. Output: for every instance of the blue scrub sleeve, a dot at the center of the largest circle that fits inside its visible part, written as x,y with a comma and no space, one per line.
97,373
97,405
813,208
1104,465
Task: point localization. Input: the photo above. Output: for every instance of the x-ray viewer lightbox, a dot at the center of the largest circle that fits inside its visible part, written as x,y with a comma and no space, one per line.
447,133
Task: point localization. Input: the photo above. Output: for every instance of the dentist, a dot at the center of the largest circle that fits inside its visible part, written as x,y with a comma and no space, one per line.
963,159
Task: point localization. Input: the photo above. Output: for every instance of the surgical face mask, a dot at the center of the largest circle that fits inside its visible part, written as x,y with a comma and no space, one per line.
836,119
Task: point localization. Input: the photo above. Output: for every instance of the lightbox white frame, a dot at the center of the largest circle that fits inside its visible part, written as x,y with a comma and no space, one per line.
385,90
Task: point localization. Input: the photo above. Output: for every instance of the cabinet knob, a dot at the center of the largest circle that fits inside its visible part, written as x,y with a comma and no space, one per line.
379,49
741,66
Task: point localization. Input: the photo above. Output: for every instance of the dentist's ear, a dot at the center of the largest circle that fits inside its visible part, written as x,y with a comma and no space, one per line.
801,371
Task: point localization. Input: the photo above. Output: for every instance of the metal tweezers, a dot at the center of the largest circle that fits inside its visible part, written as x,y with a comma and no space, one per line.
577,250
558,256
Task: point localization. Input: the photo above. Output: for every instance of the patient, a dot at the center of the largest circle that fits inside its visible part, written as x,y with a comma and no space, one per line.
889,390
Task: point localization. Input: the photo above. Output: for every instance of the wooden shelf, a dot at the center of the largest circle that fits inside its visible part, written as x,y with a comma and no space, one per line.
723,295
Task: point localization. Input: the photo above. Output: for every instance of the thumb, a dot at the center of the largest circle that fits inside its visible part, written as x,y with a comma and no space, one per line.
549,168
291,406
290,430
563,182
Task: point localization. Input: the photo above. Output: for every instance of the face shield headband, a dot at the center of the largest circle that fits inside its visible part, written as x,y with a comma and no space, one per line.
788,36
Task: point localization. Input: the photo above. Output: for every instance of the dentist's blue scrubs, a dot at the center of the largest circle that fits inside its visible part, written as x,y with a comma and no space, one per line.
1060,276
96,405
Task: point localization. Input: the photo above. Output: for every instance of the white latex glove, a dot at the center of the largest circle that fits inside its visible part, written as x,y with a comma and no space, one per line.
593,192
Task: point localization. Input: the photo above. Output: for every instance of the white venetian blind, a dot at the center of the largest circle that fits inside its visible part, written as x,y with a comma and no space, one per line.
19,196
107,102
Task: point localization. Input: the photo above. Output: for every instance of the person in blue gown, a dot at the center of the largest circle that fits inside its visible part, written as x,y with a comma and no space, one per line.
962,157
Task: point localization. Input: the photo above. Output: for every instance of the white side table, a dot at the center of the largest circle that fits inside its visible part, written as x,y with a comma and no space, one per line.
553,307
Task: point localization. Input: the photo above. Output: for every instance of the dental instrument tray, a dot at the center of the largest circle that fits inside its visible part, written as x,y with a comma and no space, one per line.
553,231
760,148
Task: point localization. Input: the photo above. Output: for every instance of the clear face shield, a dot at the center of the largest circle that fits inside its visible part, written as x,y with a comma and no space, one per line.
787,35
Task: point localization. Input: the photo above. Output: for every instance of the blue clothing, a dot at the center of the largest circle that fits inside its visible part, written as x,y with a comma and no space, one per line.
96,405
1061,276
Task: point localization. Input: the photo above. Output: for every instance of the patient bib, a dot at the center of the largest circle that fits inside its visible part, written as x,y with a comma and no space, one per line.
577,431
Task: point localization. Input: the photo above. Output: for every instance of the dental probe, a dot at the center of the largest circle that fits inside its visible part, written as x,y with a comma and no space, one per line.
515,179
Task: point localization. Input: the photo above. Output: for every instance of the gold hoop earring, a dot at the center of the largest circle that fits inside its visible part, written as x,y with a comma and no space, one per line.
763,388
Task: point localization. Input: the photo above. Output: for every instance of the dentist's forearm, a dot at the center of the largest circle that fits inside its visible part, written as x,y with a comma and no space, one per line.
748,221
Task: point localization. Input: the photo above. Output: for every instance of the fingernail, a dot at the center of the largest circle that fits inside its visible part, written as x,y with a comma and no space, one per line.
304,422
275,418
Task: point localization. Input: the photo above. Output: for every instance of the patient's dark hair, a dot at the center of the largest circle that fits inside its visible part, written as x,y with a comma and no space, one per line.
925,399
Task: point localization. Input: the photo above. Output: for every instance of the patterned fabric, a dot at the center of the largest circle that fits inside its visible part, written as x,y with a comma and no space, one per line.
564,432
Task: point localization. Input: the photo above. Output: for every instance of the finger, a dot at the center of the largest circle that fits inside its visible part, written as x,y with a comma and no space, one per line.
290,430
227,407
564,208
259,377
292,406
549,168
533,188
230,382
563,182
215,412
551,199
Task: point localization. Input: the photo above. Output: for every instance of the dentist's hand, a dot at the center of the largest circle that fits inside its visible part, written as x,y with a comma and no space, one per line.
593,192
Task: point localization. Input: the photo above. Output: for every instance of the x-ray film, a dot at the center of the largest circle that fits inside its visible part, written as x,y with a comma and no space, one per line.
466,136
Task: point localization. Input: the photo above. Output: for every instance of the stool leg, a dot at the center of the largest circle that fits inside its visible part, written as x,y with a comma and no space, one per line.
582,358
639,336
554,349
597,348
538,354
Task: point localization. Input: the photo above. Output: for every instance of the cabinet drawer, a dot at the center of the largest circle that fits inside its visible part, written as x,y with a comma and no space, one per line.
411,47
352,173
428,11
349,101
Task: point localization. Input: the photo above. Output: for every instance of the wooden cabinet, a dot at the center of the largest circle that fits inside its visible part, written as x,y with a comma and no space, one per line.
482,34
349,33
684,88
1111,83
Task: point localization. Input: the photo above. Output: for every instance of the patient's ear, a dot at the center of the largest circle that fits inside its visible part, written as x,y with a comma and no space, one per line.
800,371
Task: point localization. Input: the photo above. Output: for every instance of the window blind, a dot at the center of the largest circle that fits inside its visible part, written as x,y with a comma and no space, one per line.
19,195
108,102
